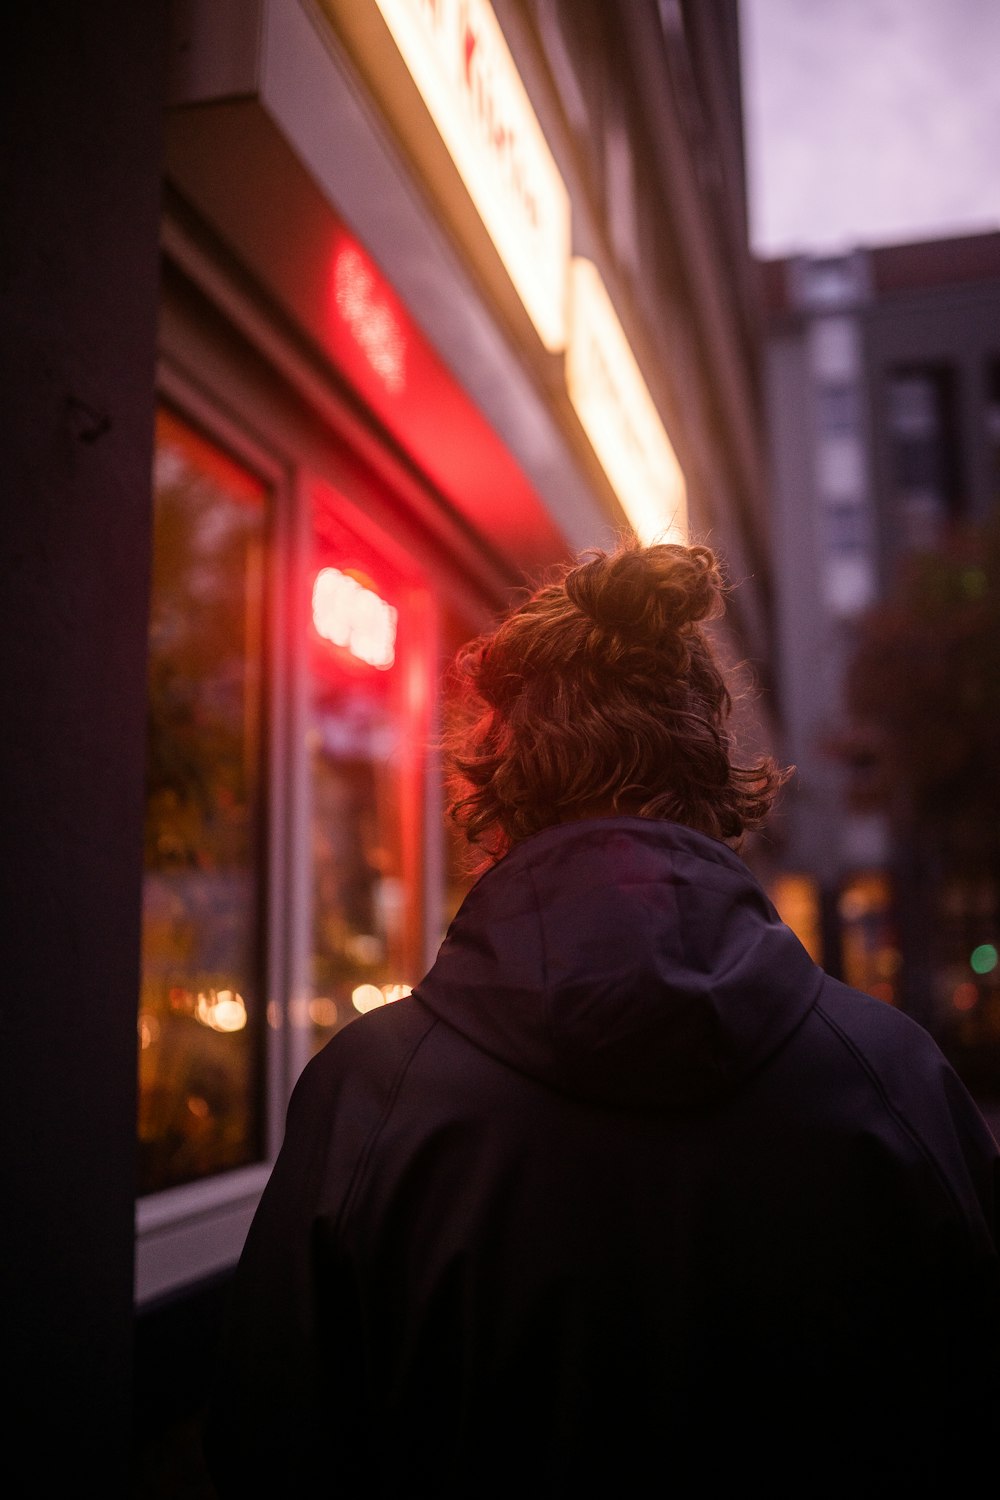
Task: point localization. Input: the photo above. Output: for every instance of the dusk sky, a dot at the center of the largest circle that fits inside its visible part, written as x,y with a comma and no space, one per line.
870,121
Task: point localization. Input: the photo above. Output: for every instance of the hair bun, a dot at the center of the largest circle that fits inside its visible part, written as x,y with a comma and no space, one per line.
645,593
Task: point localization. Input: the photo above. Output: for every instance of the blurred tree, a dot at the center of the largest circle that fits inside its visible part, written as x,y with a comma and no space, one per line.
923,696
922,746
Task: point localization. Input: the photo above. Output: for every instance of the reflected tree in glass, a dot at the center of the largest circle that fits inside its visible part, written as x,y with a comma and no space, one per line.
200,1016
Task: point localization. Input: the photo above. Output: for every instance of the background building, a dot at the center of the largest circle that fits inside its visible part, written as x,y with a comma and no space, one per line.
327,327
882,390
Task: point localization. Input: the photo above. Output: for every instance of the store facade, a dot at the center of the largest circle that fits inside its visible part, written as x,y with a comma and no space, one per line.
391,389
444,292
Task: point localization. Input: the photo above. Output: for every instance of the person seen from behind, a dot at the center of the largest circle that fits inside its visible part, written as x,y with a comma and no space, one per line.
629,1197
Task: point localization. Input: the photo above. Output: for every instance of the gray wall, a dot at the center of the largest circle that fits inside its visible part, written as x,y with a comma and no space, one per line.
810,660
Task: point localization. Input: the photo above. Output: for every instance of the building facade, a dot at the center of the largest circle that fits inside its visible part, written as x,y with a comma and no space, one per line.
882,380
331,324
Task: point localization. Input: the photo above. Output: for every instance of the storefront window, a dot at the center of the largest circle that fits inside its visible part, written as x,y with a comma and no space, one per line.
200,1016
871,955
964,961
370,689
796,899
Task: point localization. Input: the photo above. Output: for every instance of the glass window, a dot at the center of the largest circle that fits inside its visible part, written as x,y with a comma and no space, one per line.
797,901
827,281
920,413
992,426
964,961
200,1016
837,403
370,685
870,949
847,528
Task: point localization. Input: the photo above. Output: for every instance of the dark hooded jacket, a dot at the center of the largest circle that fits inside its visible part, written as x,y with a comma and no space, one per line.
628,1198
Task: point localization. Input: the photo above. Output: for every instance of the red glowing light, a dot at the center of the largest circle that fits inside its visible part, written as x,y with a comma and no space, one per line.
369,317
965,995
375,343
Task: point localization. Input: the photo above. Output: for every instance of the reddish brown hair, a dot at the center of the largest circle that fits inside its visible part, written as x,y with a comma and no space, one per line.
602,693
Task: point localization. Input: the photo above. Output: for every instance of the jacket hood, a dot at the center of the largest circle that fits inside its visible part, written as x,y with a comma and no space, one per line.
627,961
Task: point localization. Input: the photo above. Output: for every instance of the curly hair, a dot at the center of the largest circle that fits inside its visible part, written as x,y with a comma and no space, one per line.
602,693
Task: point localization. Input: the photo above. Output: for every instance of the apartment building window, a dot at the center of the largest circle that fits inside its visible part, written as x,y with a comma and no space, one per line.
202,998
922,453
829,283
837,409
869,945
846,529
993,427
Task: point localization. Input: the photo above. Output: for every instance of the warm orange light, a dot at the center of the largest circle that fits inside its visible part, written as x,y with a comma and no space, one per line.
221,1010
355,617
965,995
149,1030
618,414
796,899
366,997
323,1011
460,62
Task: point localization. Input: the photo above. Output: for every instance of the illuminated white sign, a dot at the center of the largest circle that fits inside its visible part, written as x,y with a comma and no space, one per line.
456,54
618,414
460,62
349,615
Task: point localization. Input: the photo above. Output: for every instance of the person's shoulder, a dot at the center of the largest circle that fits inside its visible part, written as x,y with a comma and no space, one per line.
898,1052
913,1079
867,1022
367,1055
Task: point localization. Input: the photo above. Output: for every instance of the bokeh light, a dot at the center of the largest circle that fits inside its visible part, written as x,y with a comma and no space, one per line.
983,960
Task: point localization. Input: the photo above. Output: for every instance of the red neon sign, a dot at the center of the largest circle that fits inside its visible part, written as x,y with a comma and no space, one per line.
355,617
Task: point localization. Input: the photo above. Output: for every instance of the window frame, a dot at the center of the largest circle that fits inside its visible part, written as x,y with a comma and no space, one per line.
193,1231
229,365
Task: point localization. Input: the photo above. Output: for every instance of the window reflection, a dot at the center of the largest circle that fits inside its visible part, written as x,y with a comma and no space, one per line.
359,907
871,956
369,689
199,1018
